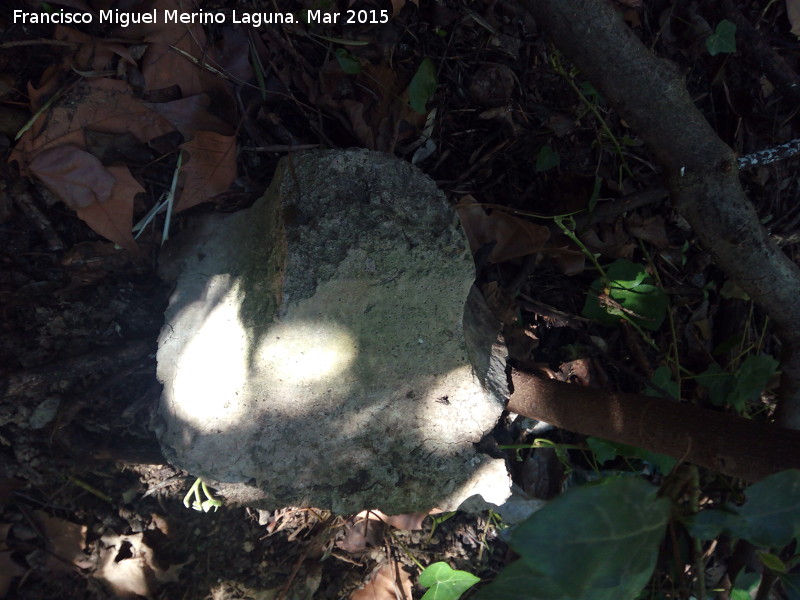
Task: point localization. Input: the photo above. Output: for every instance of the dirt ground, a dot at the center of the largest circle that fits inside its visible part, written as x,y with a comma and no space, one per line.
88,509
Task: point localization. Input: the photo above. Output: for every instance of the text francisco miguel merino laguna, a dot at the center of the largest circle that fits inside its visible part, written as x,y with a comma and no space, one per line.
255,19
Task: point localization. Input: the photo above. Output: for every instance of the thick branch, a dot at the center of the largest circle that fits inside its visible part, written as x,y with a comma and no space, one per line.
719,441
699,168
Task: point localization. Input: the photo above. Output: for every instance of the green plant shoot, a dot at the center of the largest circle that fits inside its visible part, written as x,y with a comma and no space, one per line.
198,503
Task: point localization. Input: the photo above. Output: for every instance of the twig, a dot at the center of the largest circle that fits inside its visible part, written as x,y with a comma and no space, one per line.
39,43
24,202
769,155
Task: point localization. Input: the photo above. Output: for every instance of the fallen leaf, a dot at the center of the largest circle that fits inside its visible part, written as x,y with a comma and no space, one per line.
407,522
128,566
210,169
93,54
515,237
106,105
793,14
569,260
650,229
113,218
500,302
611,242
360,534
191,114
167,60
384,584
373,102
76,177
8,570
233,52
66,540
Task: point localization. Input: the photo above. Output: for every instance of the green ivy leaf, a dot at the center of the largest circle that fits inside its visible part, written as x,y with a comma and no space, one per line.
751,379
348,62
719,383
746,583
605,450
422,86
723,40
547,159
662,377
445,583
769,518
630,286
609,553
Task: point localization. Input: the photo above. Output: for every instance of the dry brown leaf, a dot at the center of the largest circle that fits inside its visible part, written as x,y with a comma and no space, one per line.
104,105
8,570
76,177
163,65
361,533
384,585
93,54
191,114
649,229
210,170
233,52
407,522
568,260
515,237
374,101
793,13
500,303
137,574
611,242
113,218
67,541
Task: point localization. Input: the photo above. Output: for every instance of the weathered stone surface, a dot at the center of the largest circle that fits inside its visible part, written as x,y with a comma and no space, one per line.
314,352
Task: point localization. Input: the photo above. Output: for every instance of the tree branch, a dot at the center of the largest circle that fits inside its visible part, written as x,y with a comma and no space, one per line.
699,168
718,441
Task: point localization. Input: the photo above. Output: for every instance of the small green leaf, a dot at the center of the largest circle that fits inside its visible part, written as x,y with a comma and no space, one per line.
547,159
708,524
445,583
348,62
751,378
662,377
632,288
422,86
603,450
723,40
772,562
591,92
720,384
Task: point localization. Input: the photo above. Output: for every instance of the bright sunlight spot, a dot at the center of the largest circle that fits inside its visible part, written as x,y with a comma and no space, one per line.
308,351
